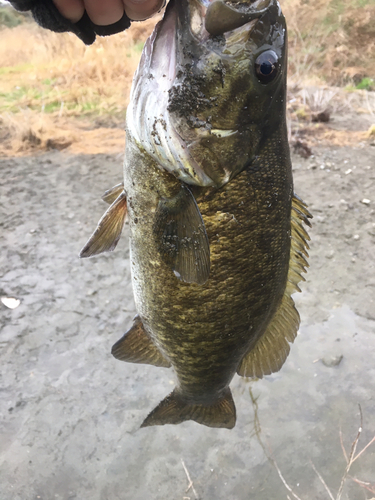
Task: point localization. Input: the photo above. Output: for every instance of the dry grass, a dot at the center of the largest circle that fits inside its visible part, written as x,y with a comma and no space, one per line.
350,458
57,73
331,41
54,88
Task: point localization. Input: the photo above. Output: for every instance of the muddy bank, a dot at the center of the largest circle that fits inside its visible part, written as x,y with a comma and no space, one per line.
70,413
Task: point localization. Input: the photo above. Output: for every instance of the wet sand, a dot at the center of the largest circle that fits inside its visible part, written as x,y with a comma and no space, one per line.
70,413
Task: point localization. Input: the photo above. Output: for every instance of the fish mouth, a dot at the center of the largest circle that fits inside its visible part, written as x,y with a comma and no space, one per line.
150,119
217,17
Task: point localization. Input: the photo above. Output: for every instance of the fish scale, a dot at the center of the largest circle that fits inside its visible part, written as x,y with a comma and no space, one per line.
218,310
217,243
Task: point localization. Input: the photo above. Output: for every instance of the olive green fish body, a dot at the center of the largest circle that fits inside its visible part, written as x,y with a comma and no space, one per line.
205,330
217,242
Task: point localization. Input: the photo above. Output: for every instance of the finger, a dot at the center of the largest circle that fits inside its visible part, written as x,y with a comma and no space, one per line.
105,12
138,10
70,9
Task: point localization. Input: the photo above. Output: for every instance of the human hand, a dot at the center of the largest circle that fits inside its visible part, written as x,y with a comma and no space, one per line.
106,12
88,18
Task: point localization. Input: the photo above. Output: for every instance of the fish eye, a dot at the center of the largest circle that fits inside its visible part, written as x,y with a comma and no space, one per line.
267,66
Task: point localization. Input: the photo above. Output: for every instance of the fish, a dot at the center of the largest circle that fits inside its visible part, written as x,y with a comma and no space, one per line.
217,235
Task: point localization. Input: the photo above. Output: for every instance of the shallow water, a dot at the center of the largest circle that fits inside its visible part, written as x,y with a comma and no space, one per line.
70,413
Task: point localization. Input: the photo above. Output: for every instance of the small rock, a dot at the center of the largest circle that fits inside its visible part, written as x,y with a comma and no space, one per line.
349,171
10,302
365,201
331,361
356,237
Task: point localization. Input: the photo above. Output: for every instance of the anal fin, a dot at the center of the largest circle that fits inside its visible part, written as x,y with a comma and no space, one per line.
174,410
136,347
271,350
108,231
183,242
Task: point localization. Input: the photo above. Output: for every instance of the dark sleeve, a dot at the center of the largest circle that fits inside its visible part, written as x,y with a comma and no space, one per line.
46,15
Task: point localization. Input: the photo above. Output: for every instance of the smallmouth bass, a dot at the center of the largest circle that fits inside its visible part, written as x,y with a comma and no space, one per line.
217,238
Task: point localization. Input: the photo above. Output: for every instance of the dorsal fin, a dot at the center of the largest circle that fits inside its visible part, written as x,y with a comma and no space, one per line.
271,350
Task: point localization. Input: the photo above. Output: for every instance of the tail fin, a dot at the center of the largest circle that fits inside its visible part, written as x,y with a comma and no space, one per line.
174,410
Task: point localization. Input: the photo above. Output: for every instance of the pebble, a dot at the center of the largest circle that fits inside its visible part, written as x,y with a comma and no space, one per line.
331,361
10,302
356,237
365,201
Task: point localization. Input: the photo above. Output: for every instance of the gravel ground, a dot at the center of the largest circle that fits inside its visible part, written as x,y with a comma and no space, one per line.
70,413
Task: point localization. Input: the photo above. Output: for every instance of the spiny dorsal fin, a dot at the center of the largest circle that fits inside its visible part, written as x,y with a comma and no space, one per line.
183,242
108,231
112,194
271,350
136,347
174,410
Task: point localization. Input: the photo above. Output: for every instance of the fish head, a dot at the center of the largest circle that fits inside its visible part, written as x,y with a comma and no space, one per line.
210,86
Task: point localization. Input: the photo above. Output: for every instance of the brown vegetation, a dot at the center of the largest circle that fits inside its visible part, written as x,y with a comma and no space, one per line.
331,41
54,89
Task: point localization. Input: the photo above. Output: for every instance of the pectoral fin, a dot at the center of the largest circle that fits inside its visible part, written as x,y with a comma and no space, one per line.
174,410
271,350
183,242
108,231
137,347
112,194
